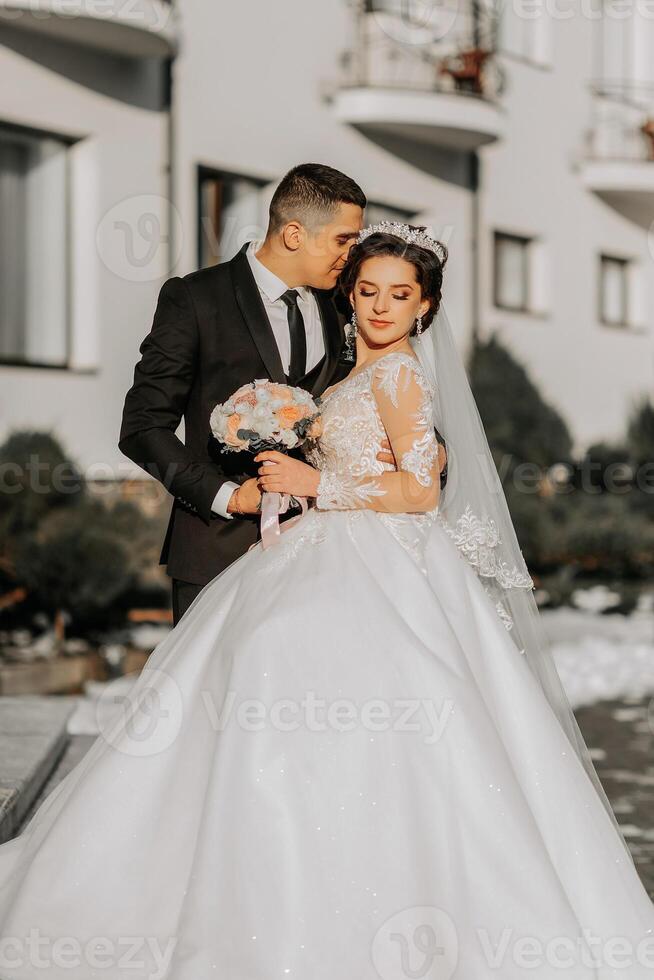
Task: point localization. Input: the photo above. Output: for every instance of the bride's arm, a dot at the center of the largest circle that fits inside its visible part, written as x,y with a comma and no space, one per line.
404,404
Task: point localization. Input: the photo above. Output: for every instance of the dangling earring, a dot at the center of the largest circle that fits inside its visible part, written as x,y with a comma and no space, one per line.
419,327
351,330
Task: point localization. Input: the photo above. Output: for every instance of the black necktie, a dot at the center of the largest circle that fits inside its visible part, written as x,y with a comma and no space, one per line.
298,365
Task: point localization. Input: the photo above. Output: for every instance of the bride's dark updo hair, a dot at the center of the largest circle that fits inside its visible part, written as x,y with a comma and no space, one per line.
428,265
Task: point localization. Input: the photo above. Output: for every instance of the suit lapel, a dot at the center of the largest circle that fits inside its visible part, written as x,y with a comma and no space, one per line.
333,336
254,313
255,316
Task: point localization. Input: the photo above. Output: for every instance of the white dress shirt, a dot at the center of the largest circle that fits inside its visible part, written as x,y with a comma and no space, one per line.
271,288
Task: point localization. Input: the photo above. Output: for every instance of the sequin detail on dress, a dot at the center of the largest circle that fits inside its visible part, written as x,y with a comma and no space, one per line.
388,399
477,540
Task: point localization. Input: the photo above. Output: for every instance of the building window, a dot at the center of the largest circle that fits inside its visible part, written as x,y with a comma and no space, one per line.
232,210
614,291
34,248
511,272
377,212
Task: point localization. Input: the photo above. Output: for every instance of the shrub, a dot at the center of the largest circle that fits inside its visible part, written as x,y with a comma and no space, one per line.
640,431
74,562
37,476
66,547
605,466
602,525
518,421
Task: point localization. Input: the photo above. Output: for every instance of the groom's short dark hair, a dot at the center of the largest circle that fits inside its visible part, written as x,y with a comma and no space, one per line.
311,193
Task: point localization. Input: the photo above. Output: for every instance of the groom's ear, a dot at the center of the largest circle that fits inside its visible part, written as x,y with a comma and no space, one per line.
293,235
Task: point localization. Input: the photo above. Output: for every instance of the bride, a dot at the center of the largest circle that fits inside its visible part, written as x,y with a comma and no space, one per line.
352,758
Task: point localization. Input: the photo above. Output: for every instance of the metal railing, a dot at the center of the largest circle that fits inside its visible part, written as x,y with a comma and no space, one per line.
444,47
622,126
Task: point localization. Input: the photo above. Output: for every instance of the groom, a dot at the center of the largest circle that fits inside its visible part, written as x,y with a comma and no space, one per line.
267,313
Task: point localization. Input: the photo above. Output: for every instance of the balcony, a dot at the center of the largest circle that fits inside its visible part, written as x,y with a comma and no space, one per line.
138,29
434,81
618,162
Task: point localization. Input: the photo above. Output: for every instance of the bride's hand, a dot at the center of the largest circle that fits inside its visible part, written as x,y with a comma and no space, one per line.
280,473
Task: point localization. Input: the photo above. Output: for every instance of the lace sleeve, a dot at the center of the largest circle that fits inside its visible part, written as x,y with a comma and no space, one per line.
404,404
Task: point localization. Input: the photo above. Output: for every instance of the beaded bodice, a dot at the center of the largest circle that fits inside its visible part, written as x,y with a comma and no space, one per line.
352,430
390,398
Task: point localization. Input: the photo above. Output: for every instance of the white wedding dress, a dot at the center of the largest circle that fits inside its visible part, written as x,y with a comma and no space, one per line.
336,767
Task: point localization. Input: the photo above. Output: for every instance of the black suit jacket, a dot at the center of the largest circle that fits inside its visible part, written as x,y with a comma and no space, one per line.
209,336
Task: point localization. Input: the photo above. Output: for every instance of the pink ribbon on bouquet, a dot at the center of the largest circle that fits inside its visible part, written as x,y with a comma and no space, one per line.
272,505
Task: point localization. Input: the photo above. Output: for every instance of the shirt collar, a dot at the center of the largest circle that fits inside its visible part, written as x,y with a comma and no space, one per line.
267,281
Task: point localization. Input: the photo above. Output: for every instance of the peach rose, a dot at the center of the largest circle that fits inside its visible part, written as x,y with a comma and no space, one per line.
279,391
247,398
288,416
233,425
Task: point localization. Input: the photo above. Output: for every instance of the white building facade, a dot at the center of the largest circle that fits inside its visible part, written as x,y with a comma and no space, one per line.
141,139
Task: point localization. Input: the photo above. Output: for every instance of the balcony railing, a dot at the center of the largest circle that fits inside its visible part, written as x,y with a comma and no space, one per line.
451,51
137,29
435,79
618,158
622,127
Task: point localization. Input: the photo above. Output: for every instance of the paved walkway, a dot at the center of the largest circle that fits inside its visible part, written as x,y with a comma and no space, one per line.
621,736
33,737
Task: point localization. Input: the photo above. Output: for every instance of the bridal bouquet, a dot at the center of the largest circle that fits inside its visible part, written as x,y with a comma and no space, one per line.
266,415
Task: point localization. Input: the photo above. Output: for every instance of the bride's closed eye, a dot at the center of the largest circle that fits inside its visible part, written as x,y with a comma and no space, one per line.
362,292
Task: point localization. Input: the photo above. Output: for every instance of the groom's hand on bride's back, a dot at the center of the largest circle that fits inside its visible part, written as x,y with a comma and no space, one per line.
386,454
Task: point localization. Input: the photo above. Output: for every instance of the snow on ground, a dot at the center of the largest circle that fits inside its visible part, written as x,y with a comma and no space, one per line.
602,657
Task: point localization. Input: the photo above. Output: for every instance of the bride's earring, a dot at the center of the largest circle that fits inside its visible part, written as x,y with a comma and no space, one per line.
419,327
351,331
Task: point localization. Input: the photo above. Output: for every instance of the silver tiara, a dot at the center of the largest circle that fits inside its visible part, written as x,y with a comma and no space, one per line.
410,235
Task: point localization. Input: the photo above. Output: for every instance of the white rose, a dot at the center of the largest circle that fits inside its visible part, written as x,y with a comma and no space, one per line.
266,428
288,438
